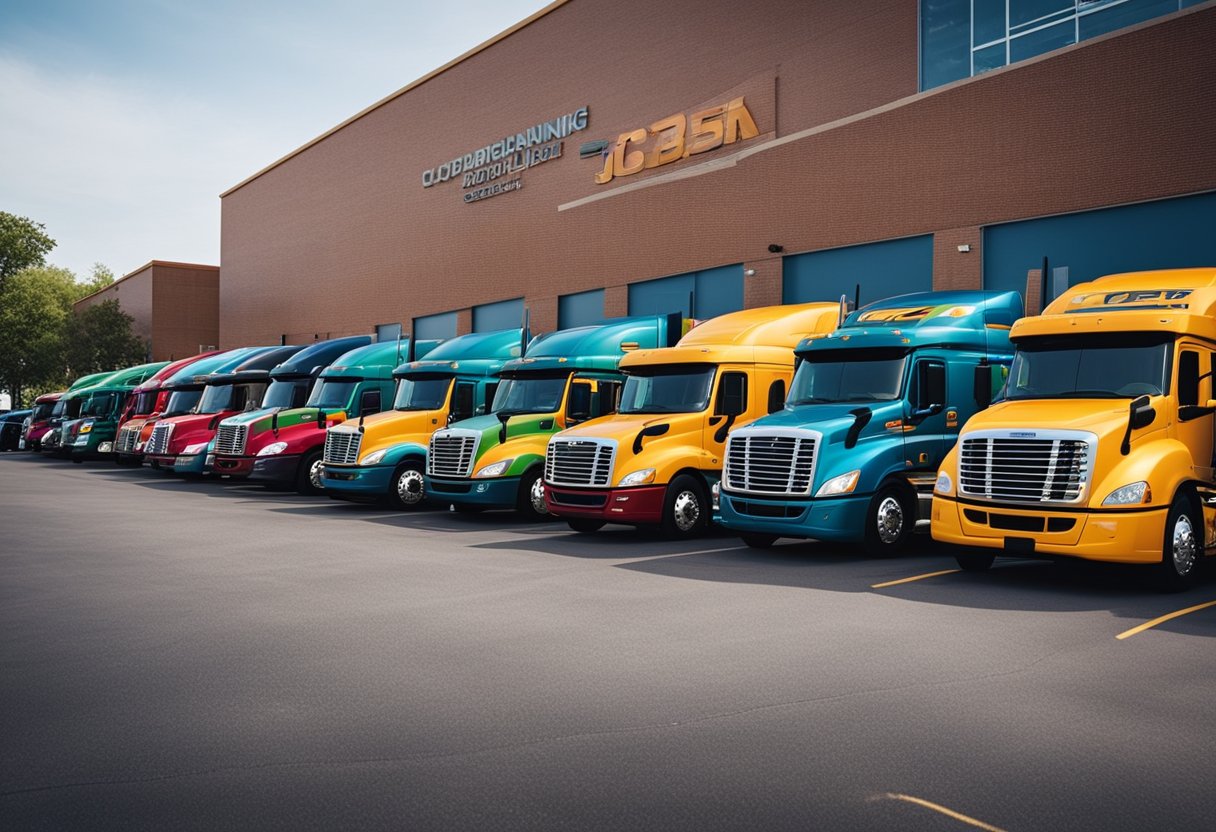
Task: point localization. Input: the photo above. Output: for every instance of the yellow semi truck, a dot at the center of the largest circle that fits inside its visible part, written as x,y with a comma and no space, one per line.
1101,446
656,461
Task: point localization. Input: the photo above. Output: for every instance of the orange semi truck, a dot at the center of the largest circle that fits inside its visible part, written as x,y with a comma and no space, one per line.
1101,446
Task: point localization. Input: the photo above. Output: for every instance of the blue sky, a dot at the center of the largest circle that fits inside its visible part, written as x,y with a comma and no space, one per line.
121,121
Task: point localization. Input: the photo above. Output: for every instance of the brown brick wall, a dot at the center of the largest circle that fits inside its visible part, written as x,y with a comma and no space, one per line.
343,236
134,295
185,309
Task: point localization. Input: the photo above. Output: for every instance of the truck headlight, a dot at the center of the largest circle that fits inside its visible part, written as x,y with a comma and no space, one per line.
273,448
496,469
86,427
373,457
843,484
1129,495
191,450
944,484
646,475
105,448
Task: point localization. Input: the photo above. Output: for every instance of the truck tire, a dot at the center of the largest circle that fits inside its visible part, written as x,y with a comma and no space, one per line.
530,503
584,525
308,475
685,509
974,561
889,520
1182,548
758,541
405,489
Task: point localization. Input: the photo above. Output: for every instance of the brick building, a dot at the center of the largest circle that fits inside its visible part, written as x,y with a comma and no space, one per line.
711,155
175,306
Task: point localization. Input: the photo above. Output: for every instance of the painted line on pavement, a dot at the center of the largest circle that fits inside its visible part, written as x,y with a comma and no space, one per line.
1150,624
950,813
915,578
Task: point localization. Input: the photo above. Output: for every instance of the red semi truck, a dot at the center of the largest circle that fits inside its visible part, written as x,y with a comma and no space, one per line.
146,405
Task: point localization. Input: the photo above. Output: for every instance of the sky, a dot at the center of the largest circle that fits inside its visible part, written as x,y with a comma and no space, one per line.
122,121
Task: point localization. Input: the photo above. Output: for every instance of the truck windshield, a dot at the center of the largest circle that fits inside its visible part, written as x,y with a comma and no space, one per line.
537,394
42,411
1090,367
182,401
220,397
332,393
145,402
669,389
422,393
285,394
72,409
99,405
58,408
849,376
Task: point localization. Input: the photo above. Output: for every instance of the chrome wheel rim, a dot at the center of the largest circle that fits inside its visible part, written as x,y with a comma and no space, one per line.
314,474
537,496
409,487
686,511
1184,548
890,520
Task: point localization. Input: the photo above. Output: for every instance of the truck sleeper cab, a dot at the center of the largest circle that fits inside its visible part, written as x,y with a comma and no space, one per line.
872,409
381,458
566,377
656,461
1101,447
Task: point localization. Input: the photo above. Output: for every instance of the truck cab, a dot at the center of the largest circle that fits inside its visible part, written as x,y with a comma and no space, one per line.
290,384
182,443
284,448
382,457
656,461
39,421
566,377
872,410
66,408
106,403
1101,446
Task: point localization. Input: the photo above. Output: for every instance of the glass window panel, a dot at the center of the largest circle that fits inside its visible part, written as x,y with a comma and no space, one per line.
990,57
1023,12
1110,18
1043,40
989,22
945,41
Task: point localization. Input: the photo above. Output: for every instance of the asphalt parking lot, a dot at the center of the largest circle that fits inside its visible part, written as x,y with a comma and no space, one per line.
200,655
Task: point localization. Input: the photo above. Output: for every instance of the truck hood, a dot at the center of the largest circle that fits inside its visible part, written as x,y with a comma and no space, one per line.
527,436
835,420
1100,416
193,428
395,427
293,426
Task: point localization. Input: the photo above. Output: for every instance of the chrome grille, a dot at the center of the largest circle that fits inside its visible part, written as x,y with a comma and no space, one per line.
342,446
230,439
586,462
452,453
128,438
158,442
1042,467
773,461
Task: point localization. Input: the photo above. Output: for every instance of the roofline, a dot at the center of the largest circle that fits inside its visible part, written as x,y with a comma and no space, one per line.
394,95
170,263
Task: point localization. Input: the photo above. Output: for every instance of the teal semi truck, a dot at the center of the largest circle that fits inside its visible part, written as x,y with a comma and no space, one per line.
382,457
283,448
872,410
65,409
103,409
497,461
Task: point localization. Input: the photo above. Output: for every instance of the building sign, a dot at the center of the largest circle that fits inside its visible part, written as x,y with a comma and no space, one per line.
495,169
674,138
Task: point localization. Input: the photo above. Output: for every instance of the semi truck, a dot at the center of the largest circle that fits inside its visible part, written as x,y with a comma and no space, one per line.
181,444
381,458
147,403
104,406
871,412
294,431
497,461
656,461
65,409
1101,446
39,420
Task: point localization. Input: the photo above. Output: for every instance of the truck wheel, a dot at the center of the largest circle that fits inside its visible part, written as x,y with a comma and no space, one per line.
405,490
584,525
889,521
974,561
308,474
685,508
758,541
1182,548
531,500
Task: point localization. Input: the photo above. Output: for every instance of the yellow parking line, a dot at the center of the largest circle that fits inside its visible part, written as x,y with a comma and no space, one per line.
1149,624
915,578
950,813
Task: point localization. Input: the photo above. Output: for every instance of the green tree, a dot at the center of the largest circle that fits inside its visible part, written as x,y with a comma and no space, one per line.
100,338
100,277
34,309
23,243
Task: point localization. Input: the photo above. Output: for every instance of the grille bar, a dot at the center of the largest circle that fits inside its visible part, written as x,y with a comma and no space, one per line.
1052,468
158,442
128,437
452,452
774,462
230,440
342,446
585,462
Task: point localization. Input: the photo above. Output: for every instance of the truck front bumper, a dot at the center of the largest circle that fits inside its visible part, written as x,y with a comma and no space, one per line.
491,492
193,464
237,467
632,506
836,519
277,469
1129,536
360,483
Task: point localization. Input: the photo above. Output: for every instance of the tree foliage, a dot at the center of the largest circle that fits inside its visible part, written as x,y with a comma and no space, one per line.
34,309
23,244
100,338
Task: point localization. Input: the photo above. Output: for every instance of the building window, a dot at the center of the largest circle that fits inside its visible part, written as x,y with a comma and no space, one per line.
961,38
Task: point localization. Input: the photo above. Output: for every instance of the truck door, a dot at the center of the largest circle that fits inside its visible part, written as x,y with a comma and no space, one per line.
1195,426
926,437
730,405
